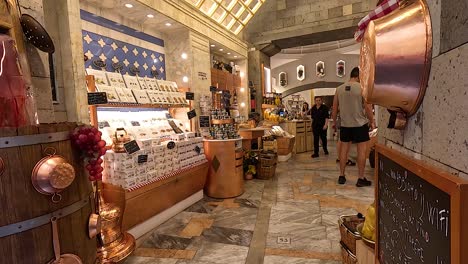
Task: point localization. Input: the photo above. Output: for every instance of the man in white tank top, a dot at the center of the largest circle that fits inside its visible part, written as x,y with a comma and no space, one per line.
353,110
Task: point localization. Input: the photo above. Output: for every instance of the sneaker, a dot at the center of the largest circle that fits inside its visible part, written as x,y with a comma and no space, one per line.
342,179
363,182
315,155
326,152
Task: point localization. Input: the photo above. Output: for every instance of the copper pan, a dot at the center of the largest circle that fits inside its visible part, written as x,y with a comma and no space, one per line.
52,174
396,55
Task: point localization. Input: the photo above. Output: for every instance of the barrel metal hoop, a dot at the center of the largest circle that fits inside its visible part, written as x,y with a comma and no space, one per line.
22,226
17,141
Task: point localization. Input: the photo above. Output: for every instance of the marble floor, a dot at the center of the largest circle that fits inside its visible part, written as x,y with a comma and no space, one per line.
292,218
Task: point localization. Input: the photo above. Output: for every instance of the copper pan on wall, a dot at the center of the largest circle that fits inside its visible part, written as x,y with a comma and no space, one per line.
396,55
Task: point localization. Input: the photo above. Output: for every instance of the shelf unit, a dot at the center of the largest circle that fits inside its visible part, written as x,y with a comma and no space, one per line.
267,106
167,191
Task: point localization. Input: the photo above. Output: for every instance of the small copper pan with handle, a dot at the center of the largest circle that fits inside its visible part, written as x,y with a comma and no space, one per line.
52,174
61,258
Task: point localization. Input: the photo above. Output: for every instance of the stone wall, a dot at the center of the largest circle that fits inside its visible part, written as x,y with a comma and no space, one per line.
329,58
278,19
437,132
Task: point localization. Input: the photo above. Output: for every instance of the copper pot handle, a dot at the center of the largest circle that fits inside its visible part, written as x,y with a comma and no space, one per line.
55,239
58,199
52,149
2,166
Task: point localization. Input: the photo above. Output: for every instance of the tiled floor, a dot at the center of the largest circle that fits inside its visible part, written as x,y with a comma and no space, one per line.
289,219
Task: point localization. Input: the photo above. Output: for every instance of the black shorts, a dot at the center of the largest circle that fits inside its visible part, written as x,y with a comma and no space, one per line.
354,134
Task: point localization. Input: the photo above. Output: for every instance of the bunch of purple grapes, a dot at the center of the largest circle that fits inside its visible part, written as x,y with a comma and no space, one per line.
88,140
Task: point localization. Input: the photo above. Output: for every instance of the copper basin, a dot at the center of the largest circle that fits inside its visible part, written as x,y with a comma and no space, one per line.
396,55
52,174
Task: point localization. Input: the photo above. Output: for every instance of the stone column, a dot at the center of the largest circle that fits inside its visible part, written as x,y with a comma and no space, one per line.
70,48
256,60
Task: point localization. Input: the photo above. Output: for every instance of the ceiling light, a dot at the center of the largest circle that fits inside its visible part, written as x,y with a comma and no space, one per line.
128,5
168,24
185,79
235,56
229,53
212,45
184,56
220,49
150,15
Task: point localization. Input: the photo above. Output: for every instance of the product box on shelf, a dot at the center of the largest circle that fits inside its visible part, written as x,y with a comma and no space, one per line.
116,80
132,82
100,77
111,94
141,81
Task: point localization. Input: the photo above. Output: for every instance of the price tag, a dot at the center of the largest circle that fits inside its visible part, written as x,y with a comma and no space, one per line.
131,147
191,114
189,96
170,144
97,98
197,149
142,158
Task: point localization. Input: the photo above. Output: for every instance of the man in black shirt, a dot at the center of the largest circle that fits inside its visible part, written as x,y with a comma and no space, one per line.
320,115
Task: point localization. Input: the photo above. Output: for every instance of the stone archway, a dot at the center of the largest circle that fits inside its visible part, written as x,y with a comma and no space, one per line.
309,86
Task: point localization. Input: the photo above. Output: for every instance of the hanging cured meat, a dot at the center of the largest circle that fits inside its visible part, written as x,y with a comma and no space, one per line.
12,86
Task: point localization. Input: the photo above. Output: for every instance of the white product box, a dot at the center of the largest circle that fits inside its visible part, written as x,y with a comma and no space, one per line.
99,76
122,175
145,144
141,96
129,183
116,79
141,81
120,157
142,179
111,94
124,165
141,169
178,137
189,135
131,82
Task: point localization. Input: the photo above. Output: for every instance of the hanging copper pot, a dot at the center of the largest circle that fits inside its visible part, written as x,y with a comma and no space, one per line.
52,174
396,54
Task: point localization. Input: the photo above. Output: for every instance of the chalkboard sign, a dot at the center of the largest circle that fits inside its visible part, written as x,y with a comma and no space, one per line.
131,147
204,121
213,88
189,96
97,98
416,208
191,114
142,158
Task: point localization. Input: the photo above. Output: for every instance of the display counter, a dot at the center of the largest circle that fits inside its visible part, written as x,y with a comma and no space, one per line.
302,131
225,174
250,135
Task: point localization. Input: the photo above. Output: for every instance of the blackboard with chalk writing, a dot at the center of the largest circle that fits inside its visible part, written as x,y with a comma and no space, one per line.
414,211
414,217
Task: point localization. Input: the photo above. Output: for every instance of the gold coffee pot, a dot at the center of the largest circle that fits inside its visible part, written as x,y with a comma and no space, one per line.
120,138
116,245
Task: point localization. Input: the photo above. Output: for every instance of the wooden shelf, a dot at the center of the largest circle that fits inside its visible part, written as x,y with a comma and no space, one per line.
222,121
266,106
133,105
165,194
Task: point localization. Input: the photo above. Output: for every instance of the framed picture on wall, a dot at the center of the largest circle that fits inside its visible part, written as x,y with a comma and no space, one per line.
320,69
300,72
283,79
341,68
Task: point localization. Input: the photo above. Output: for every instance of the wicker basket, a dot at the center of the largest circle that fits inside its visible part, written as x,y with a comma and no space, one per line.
267,159
346,254
348,229
266,172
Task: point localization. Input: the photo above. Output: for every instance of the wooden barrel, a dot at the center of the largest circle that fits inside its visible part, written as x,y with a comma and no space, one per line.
19,201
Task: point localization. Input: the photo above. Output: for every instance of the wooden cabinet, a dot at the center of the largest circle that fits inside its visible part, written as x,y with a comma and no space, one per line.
309,136
302,130
225,81
300,143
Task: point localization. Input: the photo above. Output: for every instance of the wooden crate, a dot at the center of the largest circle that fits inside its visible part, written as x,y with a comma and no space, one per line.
285,145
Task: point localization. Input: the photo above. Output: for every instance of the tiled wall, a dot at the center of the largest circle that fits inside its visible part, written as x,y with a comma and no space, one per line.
112,42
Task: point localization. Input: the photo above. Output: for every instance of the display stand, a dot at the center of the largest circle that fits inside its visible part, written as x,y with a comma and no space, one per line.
162,194
165,191
225,175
